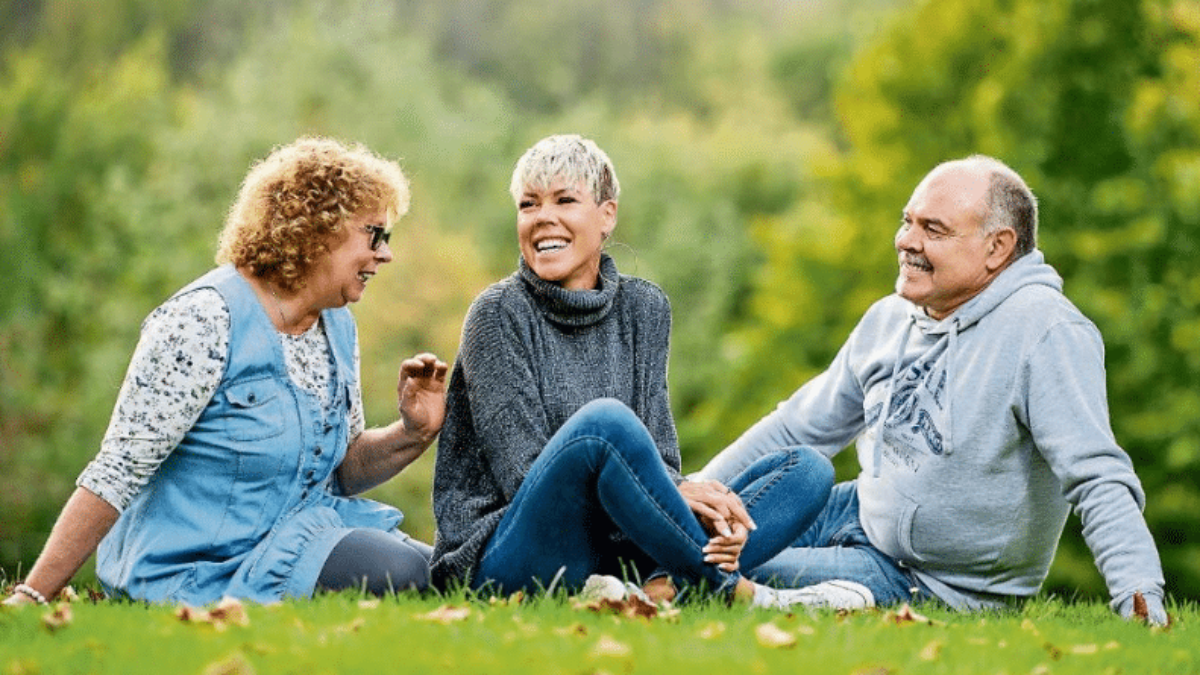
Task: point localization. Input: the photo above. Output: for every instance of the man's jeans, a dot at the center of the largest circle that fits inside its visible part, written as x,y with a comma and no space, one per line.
599,496
836,547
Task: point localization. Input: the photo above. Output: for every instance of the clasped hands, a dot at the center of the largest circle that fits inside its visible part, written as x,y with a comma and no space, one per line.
723,516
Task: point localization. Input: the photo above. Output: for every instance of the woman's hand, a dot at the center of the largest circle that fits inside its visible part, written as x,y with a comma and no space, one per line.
422,395
723,515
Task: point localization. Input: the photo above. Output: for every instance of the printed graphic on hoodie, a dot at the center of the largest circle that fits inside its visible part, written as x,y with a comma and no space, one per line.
911,431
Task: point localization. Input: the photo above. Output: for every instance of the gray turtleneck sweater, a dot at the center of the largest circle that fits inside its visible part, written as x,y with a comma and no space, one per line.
532,353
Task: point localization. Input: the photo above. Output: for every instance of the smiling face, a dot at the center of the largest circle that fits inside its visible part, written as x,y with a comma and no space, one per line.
561,232
341,277
945,257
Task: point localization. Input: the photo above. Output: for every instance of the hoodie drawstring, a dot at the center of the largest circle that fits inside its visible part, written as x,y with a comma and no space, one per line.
951,351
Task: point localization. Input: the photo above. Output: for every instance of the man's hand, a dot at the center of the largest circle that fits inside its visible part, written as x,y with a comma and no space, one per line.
723,515
422,395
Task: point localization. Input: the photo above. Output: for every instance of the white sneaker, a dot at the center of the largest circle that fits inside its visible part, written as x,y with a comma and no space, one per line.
606,587
602,587
836,594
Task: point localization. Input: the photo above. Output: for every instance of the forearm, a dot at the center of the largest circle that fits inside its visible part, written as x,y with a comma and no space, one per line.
83,522
1124,549
377,455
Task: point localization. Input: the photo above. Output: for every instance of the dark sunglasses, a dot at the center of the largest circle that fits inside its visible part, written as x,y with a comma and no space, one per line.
379,235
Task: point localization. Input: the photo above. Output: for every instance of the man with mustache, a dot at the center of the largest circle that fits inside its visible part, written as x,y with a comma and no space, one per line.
976,399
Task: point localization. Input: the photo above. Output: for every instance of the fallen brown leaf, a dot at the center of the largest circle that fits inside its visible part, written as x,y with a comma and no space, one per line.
574,629
59,617
609,646
1085,649
233,665
770,635
905,615
1140,610
445,615
230,610
632,607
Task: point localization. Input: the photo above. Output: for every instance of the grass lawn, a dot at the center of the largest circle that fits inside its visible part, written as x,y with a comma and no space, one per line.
345,633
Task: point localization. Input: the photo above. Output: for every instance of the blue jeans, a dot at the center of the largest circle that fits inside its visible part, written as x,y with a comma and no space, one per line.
599,499
836,547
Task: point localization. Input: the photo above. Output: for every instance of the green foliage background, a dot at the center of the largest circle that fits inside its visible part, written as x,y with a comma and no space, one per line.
765,150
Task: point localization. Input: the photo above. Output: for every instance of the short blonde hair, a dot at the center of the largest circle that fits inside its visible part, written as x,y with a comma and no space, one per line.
294,203
571,158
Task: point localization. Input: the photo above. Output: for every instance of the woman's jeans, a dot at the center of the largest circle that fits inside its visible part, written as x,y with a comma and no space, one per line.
599,496
836,547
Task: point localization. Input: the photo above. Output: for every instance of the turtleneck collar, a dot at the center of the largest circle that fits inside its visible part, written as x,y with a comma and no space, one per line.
573,308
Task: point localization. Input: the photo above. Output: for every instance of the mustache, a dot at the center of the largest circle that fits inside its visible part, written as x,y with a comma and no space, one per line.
914,259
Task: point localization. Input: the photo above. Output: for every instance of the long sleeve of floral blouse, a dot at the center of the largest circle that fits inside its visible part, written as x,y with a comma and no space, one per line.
175,369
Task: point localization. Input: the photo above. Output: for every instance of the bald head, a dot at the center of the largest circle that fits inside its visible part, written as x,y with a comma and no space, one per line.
1008,202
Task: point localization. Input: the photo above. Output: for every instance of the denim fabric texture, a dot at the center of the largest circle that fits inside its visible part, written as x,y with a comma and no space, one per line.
836,547
599,495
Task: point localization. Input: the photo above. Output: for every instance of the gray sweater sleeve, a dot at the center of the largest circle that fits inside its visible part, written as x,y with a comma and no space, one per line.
1067,414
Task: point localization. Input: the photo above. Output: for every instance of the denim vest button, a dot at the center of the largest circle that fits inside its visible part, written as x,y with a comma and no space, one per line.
317,452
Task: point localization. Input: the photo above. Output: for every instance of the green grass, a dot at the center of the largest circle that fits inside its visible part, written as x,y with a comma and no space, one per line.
343,634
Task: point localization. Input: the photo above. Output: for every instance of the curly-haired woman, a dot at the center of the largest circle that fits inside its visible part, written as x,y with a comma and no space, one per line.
238,434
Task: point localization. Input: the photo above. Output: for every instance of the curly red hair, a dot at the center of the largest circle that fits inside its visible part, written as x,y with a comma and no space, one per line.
295,203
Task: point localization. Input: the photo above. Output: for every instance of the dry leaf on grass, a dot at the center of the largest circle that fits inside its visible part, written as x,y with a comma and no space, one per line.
1140,610
712,631
233,665
631,607
445,615
609,646
1085,649
59,617
906,615
770,635
932,651
574,629
227,611
230,610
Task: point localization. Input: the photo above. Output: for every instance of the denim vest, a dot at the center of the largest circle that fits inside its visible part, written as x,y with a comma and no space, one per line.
246,505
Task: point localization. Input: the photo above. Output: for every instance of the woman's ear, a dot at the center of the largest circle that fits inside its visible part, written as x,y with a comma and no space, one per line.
609,209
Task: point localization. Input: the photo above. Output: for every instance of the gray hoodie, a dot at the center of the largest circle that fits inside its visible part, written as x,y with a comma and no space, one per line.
996,421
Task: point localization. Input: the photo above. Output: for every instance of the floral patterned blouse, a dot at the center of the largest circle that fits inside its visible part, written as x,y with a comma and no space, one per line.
177,365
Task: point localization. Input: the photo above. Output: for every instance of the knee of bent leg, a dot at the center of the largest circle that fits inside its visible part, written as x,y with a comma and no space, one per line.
815,467
604,414
614,422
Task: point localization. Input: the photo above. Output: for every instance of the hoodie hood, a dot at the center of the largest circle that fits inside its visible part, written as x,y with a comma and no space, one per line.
1028,270
917,411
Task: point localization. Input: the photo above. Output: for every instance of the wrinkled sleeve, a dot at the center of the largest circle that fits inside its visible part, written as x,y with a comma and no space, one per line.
1068,417
506,406
175,369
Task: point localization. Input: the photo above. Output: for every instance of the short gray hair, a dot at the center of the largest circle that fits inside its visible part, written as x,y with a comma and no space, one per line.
1009,202
568,157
